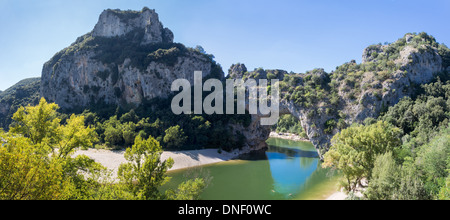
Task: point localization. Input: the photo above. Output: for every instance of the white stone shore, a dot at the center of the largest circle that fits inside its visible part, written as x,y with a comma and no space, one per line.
183,159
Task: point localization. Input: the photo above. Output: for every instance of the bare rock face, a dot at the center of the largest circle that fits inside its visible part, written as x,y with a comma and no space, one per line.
116,23
128,58
237,71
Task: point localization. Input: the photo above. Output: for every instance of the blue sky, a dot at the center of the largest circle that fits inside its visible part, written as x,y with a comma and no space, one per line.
294,35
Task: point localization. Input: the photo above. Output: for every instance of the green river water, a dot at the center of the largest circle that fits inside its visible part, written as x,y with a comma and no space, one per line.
289,170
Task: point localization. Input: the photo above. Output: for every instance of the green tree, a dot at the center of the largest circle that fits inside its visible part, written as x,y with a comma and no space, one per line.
411,187
189,190
385,178
174,137
355,149
129,133
432,162
444,194
113,132
39,124
41,149
25,175
145,172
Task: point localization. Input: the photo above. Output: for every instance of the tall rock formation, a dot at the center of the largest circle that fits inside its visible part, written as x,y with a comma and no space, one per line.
116,23
128,58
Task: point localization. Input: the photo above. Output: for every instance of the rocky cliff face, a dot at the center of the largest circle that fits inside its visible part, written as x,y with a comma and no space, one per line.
116,23
129,57
326,103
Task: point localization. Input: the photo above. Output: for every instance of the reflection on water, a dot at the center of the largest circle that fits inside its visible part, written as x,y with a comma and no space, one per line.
288,170
289,173
291,164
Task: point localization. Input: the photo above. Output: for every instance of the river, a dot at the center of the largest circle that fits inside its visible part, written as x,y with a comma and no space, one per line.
289,170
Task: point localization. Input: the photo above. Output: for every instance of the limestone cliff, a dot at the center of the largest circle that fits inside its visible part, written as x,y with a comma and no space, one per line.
128,58
116,23
326,103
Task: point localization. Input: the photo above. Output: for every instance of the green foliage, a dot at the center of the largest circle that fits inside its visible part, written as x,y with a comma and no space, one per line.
145,171
391,181
444,194
175,137
25,175
37,163
189,190
432,162
420,168
290,124
355,149
385,178
444,52
117,127
311,89
43,148
25,92
330,125
169,56
422,118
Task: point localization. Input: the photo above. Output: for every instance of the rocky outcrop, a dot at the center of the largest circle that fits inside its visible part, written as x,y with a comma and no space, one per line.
128,58
388,73
117,23
237,71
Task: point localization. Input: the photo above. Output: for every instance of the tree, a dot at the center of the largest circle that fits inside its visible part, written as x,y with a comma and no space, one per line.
145,173
355,149
36,155
189,190
25,175
37,123
129,133
113,132
175,137
444,194
385,178
432,162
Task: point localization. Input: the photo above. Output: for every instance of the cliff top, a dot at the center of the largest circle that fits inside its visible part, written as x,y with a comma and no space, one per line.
117,23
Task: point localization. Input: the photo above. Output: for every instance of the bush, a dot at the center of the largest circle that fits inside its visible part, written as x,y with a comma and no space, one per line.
174,138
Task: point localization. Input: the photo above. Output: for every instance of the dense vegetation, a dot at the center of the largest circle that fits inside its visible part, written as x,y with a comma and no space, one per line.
405,155
290,124
117,127
23,93
37,163
322,93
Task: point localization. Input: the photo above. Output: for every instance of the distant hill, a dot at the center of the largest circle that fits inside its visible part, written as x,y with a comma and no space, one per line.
25,92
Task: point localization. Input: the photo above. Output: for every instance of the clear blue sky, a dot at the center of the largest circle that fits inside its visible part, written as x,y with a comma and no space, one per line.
294,35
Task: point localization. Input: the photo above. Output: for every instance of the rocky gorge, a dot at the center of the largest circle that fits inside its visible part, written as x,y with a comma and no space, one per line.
130,58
